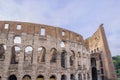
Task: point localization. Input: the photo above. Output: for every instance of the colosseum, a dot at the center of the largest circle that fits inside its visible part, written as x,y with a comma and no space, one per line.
30,51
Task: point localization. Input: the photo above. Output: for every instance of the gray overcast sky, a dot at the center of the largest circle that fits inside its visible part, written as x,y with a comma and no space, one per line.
81,16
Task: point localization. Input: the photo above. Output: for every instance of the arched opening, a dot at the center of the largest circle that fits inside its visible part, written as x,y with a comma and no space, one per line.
26,77
94,69
0,78
63,77
72,77
53,53
12,77
40,77
2,51
93,62
79,77
17,40
94,73
52,77
15,55
41,54
28,54
63,59
72,58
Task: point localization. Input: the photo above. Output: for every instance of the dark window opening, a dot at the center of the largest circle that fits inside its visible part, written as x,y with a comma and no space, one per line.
79,77
63,59
72,77
94,73
63,77
12,77
2,51
40,77
102,72
93,62
52,77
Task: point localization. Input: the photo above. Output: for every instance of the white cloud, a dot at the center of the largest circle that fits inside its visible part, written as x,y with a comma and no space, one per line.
82,17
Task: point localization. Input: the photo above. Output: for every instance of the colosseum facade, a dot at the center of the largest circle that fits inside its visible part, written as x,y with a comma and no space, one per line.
30,51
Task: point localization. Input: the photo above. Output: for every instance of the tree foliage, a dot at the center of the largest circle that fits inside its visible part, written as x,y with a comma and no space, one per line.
116,61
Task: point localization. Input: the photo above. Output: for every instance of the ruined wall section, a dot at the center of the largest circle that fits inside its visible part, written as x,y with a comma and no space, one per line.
98,44
30,34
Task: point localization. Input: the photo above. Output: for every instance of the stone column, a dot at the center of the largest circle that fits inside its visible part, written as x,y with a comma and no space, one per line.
59,61
76,76
68,76
34,65
47,60
7,62
76,62
68,61
58,76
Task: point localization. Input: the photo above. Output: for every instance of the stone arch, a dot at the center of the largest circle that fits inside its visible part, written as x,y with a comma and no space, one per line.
53,55
53,77
28,53
2,51
79,77
94,69
17,39
72,77
15,54
72,58
63,77
26,77
40,77
12,77
63,59
41,54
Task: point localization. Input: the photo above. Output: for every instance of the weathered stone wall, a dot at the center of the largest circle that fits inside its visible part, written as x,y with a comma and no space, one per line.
98,44
31,36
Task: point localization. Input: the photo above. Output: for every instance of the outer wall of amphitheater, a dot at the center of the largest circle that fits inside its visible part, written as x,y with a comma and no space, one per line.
31,51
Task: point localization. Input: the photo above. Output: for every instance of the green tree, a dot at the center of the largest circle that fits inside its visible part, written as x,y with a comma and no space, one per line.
116,61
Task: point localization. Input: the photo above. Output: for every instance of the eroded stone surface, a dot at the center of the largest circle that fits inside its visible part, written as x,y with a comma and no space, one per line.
49,52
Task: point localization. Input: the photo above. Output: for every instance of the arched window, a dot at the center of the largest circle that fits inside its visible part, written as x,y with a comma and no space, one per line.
15,55
41,54
53,77
93,62
72,58
53,53
26,77
63,59
28,53
62,44
72,77
17,40
12,77
63,77
40,77
2,51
